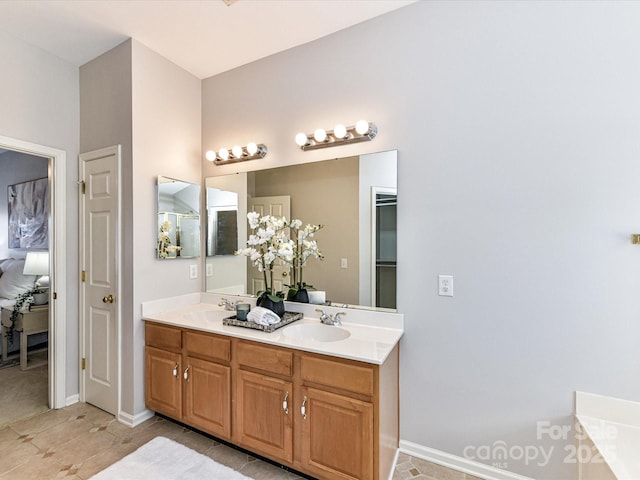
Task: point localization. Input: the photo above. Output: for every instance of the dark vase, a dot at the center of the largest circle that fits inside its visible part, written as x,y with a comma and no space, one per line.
301,296
298,294
276,307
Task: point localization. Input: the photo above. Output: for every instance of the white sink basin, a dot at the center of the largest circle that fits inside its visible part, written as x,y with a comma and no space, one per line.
316,332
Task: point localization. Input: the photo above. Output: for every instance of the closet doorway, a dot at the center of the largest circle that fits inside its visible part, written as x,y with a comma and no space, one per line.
55,161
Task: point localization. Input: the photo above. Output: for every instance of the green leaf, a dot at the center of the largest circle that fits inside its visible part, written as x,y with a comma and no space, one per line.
274,298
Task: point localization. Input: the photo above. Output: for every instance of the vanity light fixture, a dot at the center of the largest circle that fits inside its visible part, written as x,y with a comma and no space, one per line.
362,131
237,154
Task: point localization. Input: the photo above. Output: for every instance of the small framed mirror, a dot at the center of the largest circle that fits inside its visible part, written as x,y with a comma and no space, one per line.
178,227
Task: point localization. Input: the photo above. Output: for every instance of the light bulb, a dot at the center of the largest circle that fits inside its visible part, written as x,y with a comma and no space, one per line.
340,131
210,155
252,148
301,139
320,135
362,127
223,153
237,151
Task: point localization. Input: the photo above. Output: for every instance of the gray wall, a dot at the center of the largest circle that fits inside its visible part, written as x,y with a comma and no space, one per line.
40,104
134,97
517,130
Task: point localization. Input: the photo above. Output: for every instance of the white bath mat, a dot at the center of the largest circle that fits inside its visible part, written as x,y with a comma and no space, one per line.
164,459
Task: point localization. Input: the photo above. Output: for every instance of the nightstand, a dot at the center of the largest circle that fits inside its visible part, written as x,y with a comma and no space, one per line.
28,323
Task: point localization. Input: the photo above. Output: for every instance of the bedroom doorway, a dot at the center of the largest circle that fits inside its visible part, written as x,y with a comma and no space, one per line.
57,311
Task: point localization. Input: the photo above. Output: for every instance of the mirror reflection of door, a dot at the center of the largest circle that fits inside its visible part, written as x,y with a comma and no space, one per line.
385,252
279,206
222,222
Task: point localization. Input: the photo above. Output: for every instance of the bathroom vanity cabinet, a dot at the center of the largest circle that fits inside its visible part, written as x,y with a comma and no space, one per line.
326,416
264,395
188,377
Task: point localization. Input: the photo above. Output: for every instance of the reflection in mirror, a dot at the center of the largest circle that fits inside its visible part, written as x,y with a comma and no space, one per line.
178,230
222,222
354,198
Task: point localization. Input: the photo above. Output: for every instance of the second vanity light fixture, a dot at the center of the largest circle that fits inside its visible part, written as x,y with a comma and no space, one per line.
223,156
362,131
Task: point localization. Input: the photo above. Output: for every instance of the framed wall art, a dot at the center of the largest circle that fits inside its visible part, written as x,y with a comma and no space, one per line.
28,210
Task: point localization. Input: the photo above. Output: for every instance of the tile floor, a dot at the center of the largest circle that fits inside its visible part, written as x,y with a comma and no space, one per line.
78,441
24,392
410,468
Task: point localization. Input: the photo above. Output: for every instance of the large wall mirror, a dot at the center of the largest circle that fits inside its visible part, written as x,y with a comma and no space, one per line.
354,198
178,227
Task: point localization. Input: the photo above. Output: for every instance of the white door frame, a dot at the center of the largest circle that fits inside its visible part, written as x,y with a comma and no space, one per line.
57,247
103,152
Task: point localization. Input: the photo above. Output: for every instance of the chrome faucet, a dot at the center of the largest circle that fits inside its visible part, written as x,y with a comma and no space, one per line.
329,319
230,306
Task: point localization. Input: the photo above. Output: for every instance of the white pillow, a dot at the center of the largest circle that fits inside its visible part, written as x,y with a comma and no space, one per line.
13,282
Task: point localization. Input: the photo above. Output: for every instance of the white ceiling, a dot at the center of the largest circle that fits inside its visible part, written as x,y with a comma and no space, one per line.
205,37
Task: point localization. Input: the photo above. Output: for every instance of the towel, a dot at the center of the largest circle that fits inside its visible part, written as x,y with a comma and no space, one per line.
262,316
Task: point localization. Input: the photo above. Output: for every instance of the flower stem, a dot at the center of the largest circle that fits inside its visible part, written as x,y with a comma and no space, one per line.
264,274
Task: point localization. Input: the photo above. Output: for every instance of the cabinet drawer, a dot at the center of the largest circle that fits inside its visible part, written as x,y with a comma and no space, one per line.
268,359
207,346
160,336
346,376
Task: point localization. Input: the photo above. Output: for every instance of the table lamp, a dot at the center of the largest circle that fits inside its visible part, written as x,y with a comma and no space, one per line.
37,263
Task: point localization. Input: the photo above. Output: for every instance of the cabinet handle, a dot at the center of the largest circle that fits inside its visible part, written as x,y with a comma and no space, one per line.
303,408
285,404
186,373
175,370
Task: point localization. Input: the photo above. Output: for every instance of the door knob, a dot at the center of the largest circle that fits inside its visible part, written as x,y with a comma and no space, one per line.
284,274
109,299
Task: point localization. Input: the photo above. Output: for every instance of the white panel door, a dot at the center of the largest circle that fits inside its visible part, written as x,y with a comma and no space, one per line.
100,312
279,206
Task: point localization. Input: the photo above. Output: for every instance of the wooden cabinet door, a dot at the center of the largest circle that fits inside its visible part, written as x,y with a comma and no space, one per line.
208,397
163,382
264,415
337,436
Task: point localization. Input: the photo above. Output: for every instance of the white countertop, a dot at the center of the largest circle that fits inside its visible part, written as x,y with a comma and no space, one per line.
367,343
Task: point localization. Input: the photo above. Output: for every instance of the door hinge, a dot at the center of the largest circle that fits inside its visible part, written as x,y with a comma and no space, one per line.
55,295
84,363
82,186
84,275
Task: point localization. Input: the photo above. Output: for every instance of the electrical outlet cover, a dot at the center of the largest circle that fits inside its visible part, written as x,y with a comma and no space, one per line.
445,285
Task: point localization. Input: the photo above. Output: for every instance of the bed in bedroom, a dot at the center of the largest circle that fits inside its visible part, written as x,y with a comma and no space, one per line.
12,283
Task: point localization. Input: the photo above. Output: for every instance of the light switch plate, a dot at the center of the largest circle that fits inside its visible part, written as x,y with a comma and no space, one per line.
209,271
445,285
193,271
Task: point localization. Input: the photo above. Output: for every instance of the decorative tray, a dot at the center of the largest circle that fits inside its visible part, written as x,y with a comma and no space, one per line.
287,318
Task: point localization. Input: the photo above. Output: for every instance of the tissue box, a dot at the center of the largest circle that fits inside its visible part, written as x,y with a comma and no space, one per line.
317,297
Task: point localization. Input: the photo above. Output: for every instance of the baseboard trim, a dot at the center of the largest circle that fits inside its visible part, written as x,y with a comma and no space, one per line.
460,464
71,399
134,420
